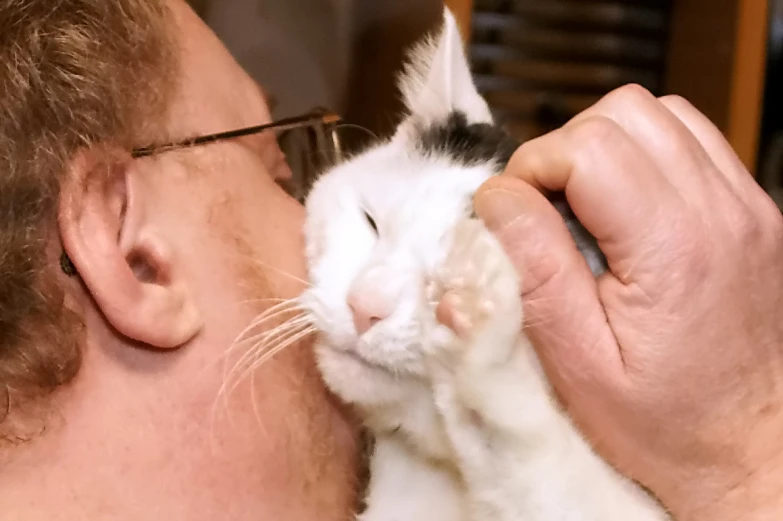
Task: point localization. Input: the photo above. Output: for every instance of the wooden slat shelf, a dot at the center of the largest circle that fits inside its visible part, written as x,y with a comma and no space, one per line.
528,102
565,76
710,51
572,45
616,16
539,62
533,58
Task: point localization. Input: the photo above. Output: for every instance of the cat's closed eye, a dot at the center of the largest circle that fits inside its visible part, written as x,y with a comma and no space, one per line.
371,222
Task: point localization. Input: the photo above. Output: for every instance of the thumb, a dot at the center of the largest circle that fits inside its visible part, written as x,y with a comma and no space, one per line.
564,318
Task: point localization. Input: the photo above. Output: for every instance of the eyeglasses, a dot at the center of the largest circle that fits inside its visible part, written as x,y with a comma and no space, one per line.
309,142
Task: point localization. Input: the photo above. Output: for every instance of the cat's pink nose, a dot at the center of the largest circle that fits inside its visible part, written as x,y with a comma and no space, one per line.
368,308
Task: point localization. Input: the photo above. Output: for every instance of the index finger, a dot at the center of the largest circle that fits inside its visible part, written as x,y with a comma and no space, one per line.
612,185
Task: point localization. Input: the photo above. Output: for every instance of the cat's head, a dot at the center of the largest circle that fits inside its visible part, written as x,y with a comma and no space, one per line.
378,225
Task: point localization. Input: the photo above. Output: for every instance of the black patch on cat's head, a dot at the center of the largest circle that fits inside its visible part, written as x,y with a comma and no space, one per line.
480,143
467,143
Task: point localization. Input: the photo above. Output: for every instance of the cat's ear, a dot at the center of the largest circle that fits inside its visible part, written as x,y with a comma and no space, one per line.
437,79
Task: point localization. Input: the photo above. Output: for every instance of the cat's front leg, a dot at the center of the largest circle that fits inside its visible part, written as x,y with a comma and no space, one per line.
481,352
405,487
518,453
495,402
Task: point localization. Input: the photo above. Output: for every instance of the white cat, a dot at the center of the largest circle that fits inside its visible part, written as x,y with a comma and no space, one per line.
421,324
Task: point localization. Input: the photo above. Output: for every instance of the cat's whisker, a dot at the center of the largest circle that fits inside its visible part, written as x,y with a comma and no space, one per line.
265,337
268,351
272,311
292,324
251,332
286,306
281,272
249,355
269,299
268,342
258,322
270,335
357,127
291,341
254,401
283,306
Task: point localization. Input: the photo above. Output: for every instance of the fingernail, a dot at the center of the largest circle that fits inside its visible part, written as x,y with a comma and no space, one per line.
498,208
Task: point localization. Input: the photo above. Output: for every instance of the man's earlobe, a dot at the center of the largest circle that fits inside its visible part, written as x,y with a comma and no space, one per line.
123,258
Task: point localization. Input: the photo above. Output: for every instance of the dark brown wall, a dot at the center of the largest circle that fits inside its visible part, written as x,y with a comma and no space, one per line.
385,30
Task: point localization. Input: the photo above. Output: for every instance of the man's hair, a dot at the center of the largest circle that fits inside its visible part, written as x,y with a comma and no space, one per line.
73,74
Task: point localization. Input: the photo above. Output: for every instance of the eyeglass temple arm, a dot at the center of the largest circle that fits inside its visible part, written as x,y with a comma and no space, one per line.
321,116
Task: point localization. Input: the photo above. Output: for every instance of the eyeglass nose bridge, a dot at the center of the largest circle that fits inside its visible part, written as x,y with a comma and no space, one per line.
309,151
327,139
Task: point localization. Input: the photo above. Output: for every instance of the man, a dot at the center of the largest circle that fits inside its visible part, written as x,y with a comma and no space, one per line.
667,364
173,254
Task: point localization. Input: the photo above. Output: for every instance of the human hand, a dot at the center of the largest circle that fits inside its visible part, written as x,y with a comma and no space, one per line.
672,364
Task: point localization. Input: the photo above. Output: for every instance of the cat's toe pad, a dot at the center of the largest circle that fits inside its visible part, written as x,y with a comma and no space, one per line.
461,311
477,287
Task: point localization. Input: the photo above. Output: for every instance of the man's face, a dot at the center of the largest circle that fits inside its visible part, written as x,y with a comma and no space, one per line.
274,446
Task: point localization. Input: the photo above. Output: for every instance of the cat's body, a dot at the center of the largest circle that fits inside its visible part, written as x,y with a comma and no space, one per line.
466,425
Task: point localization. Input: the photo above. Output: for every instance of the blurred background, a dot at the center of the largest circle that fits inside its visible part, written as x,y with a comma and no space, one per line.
538,62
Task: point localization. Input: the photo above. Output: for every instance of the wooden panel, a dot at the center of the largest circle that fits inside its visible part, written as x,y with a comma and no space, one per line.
385,30
748,82
716,61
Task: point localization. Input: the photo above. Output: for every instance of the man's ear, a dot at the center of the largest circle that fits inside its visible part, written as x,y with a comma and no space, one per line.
123,259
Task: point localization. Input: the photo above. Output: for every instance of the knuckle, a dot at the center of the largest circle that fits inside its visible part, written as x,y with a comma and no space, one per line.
771,213
777,225
596,132
756,226
776,243
744,225
676,100
630,95
530,159
747,226
771,221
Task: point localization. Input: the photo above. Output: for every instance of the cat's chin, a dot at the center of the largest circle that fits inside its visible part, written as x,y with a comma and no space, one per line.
363,362
350,365
358,381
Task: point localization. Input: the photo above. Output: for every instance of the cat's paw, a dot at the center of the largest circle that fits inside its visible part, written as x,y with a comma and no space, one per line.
476,292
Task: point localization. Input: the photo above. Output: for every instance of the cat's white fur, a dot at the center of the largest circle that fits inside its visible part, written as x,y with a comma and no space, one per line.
466,426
